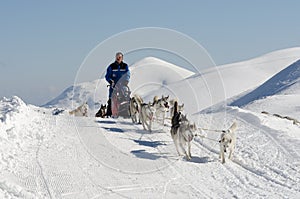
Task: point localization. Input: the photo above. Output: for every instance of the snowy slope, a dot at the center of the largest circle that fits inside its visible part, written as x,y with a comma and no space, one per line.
220,83
148,74
286,81
67,157
47,156
90,92
151,76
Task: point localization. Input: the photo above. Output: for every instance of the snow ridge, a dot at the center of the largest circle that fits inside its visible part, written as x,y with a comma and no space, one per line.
279,83
10,106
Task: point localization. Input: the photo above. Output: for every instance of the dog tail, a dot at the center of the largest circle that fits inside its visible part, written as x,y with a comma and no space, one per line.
176,117
233,127
155,99
175,108
138,98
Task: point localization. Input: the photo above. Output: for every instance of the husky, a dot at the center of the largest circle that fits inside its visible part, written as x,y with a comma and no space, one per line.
182,132
82,110
146,115
135,108
161,106
102,111
228,142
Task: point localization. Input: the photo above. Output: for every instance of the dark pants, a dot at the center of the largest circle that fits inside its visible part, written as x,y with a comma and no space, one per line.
108,110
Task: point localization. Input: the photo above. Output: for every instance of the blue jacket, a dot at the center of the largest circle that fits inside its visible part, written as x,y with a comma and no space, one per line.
116,71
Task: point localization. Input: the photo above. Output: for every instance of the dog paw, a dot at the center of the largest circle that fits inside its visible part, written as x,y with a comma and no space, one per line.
188,157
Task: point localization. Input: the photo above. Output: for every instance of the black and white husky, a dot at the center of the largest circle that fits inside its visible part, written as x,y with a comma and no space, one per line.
161,106
102,111
135,108
182,132
228,142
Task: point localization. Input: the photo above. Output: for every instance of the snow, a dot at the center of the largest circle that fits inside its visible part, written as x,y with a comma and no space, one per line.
282,82
145,79
60,156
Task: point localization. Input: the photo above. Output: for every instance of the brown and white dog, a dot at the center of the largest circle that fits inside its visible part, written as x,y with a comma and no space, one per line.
82,110
228,142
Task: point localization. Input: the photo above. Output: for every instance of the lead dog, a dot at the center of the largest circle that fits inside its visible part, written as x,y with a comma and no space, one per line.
228,142
82,110
182,132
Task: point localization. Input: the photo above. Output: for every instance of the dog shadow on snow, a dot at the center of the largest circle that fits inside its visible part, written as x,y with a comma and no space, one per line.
105,122
142,153
200,160
147,155
113,129
152,144
154,156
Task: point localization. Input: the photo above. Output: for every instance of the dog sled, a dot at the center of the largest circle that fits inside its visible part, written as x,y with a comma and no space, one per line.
120,101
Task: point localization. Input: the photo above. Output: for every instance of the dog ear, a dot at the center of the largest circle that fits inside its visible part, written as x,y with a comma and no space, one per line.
230,140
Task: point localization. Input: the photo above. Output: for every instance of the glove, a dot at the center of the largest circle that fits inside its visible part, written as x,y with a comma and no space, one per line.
112,83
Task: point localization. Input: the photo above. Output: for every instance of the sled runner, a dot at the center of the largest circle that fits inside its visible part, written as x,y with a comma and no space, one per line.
120,101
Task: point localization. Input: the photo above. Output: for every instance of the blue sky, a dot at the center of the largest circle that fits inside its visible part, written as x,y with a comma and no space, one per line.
43,43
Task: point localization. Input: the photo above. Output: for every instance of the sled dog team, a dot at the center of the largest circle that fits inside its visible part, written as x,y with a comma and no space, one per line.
182,130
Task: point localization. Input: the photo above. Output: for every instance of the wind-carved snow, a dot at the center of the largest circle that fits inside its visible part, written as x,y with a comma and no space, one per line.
60,156
281,83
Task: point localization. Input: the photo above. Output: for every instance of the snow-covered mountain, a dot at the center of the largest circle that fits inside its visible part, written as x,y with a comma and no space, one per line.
58,156
147,75
151,76
286,81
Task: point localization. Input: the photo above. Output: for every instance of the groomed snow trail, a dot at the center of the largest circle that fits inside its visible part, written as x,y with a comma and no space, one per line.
46,156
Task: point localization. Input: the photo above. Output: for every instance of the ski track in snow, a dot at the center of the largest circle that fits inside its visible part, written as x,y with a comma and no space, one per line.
66,166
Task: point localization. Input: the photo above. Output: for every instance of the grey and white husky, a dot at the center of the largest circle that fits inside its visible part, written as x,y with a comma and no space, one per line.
135,108
161,106
182,132
146,116
228,142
